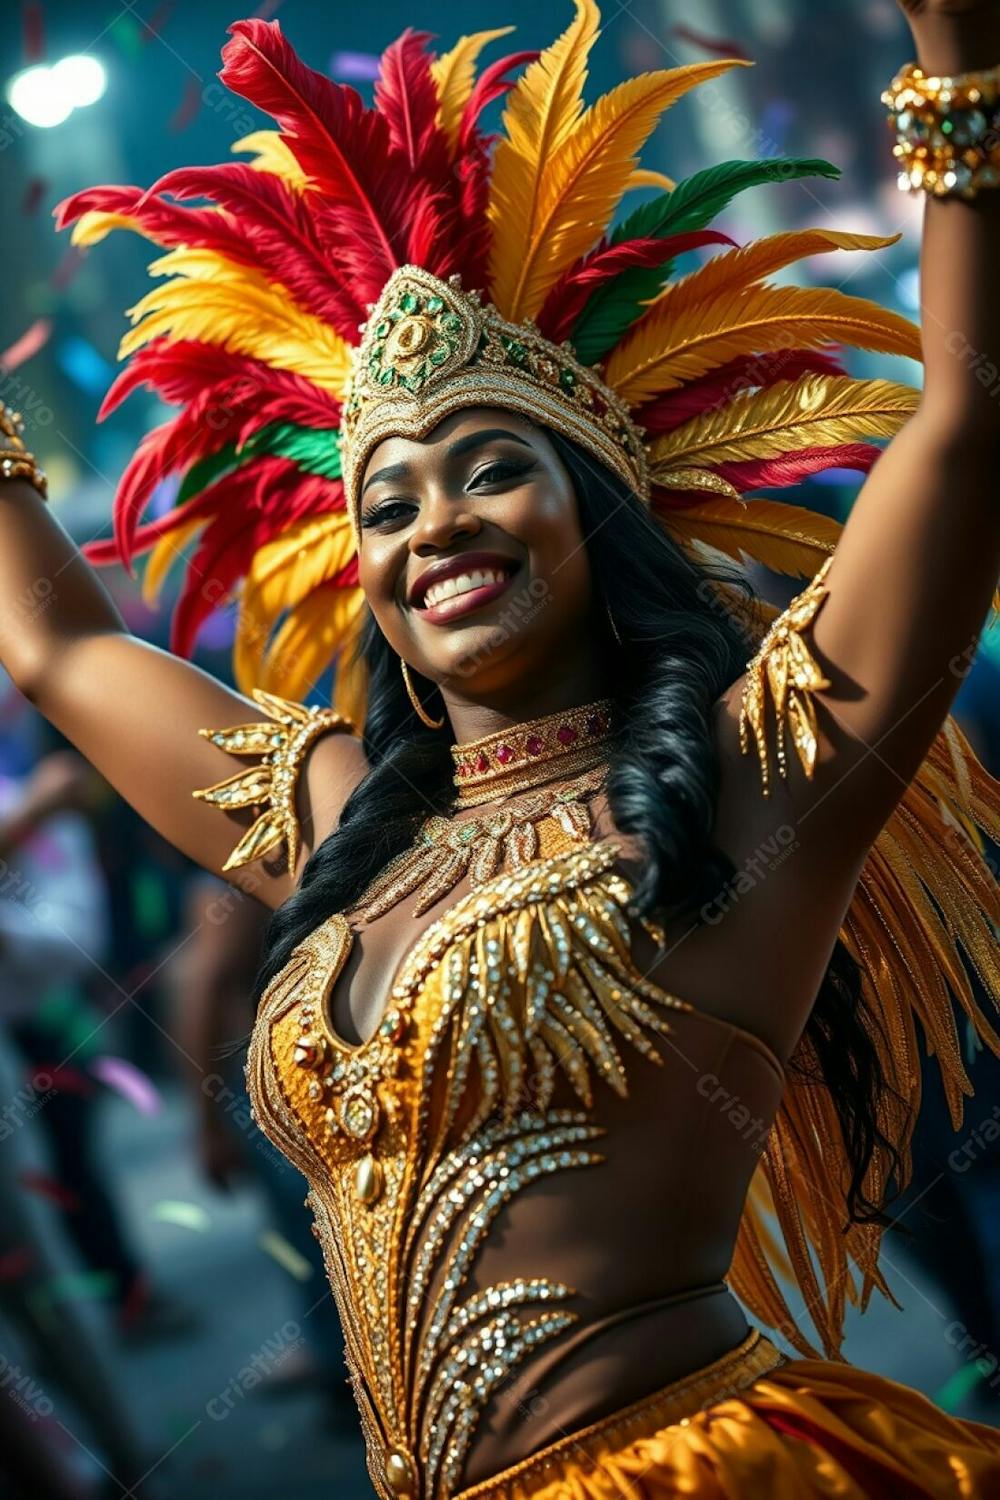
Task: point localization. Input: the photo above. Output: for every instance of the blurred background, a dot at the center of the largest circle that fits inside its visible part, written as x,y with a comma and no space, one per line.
165,1324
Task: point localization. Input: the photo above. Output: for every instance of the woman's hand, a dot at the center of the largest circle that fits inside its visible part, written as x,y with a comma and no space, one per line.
953,36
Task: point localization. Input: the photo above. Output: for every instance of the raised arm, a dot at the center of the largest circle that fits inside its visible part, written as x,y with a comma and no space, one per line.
135,711
902,603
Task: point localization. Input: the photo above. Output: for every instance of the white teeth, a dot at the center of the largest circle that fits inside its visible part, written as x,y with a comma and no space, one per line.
463,583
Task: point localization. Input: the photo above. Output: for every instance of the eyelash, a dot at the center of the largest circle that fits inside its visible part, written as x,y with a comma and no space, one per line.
503,468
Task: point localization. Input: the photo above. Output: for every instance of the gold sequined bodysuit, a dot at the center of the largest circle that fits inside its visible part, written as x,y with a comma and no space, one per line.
445,1155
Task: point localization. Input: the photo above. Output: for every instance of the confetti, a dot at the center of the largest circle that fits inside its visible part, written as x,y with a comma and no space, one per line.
957,1387
285,1254
49,1187
161,15
126,1079
33,339
67,268
187,109
75,1286
186,1215
31,198
363,65
720,45
33,33
85,367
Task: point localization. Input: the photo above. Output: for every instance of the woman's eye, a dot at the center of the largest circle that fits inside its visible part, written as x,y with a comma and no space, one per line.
502,469
388,510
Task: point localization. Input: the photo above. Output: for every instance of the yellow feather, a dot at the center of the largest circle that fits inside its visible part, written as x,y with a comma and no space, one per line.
646,177
91,227
813,411
454,74
288,568
784,537
167,549
741,268
309,639
671,478
541,109
664,351
218,302
273,155
576,190
283,573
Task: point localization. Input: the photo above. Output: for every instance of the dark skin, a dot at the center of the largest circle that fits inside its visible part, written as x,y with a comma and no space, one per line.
909,590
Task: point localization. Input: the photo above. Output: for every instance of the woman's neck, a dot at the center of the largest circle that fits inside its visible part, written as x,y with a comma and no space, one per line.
471,720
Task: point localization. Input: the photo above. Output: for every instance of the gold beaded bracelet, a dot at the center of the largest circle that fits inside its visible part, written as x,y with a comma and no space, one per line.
15,460
947,130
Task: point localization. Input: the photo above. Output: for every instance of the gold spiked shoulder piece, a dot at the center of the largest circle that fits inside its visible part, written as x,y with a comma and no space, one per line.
785,664
283,741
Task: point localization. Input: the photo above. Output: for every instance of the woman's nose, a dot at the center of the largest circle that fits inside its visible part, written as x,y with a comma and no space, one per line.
442,521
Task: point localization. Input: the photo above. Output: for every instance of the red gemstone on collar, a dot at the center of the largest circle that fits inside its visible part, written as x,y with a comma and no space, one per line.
534,745
482,761
565,734
504,754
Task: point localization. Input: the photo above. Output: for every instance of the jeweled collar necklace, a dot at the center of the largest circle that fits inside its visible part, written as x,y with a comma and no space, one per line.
529,754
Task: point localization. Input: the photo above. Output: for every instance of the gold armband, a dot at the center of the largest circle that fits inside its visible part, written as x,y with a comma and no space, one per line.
784,663
15,460
283,742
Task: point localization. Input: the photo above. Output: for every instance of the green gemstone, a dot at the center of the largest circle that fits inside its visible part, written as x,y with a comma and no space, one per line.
439,355
453,323
518,353
387,376
567,379
377,351
435,304
466,833
409,302
411,382
382,328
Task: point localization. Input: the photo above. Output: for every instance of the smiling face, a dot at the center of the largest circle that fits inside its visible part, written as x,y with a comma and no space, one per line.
472,558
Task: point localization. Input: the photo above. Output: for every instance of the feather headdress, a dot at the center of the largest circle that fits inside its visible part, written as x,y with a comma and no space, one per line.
269,269
265,331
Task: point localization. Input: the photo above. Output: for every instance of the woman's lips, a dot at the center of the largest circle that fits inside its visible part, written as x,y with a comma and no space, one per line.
447,610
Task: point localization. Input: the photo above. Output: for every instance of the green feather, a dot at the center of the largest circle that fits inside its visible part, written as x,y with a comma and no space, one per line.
314,450
691,205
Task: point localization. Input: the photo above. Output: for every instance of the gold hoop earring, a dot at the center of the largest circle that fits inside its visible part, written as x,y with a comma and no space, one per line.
611,622
418,707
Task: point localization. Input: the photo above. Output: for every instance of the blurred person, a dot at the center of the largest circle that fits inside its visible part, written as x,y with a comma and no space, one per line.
599,954
212,977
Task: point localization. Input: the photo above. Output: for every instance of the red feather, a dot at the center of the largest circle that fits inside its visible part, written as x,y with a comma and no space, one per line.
253,510
281,237
748,372
571,293
182,371
406,96
164,222
345,148
790,468
490,85
285,494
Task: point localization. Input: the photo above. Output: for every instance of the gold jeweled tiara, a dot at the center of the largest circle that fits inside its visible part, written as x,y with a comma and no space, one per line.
429,348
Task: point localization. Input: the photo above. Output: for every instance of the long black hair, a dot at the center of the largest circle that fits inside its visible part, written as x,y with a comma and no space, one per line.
687,640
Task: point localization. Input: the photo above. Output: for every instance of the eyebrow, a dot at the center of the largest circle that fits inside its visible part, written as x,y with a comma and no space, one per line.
461,445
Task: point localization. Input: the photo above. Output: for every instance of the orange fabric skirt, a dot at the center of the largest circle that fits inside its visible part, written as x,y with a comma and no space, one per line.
754,1424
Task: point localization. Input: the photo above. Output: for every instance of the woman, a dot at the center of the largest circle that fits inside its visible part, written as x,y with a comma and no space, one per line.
598,955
